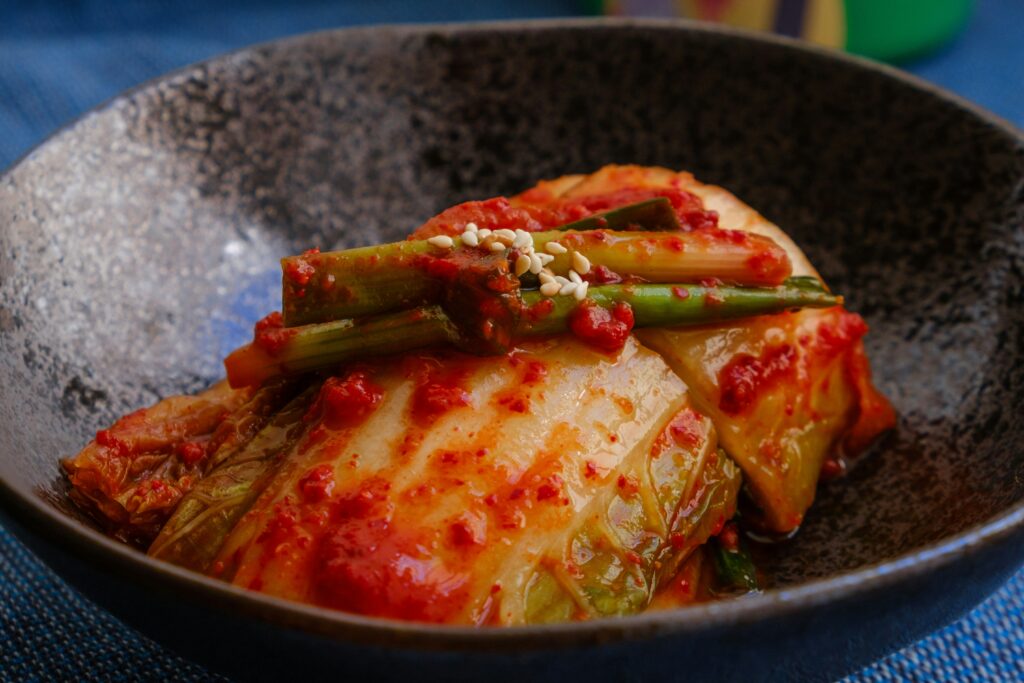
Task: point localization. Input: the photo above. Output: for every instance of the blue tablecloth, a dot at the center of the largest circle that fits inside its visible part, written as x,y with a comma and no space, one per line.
58,59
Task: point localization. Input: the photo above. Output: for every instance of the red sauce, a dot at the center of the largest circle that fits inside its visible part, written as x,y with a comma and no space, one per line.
535,372
538,210
681,293
516,397
299,271
698,219
368,563
539,310
602,275
835,338
347,401
688,207
770,264
191,452
435,398
271,335
875,414
439,387
745,376
469,530
316,484
515,401
552,488
687,428
491,214
441,268
770,451
106,439
279,528
601,328
628,485
729,538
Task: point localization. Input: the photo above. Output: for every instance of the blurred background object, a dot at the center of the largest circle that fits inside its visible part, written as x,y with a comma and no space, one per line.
58,58
890,30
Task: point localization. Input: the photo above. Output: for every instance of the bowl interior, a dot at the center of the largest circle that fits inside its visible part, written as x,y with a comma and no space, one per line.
139,246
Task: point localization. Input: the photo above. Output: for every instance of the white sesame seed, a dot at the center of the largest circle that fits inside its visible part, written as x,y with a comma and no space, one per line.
535,265
546,278
523,239
442,241
545,258
581,291
575,277
581,263
522,264
554,248
471,227
548,271
505,233
561,280
568,288
470,239
497,246
550,288
483,233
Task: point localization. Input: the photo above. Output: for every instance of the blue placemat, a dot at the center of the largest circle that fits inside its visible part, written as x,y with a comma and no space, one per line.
58,59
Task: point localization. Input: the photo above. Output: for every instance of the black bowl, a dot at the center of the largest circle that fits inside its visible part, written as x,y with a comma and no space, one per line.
138,245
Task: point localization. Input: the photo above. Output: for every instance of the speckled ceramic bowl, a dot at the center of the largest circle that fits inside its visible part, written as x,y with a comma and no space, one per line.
139,244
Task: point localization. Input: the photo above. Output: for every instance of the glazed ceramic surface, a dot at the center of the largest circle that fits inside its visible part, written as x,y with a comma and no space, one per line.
138,246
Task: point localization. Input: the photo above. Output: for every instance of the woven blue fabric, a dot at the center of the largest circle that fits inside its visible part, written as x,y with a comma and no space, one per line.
57,59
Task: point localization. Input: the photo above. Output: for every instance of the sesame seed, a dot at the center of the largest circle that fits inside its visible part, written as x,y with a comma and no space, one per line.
550,288
568,288
522,264
545,258
483,234
561,280
442,241
548,271
535,265
581,291
497,246
470,239
523,239
546,278
554,248
581,263
471,227
505,234
575,277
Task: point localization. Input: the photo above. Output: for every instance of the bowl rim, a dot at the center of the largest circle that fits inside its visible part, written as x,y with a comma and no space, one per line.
53,526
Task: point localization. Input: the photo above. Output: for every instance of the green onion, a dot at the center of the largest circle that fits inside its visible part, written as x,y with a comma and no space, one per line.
326,345
372,280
